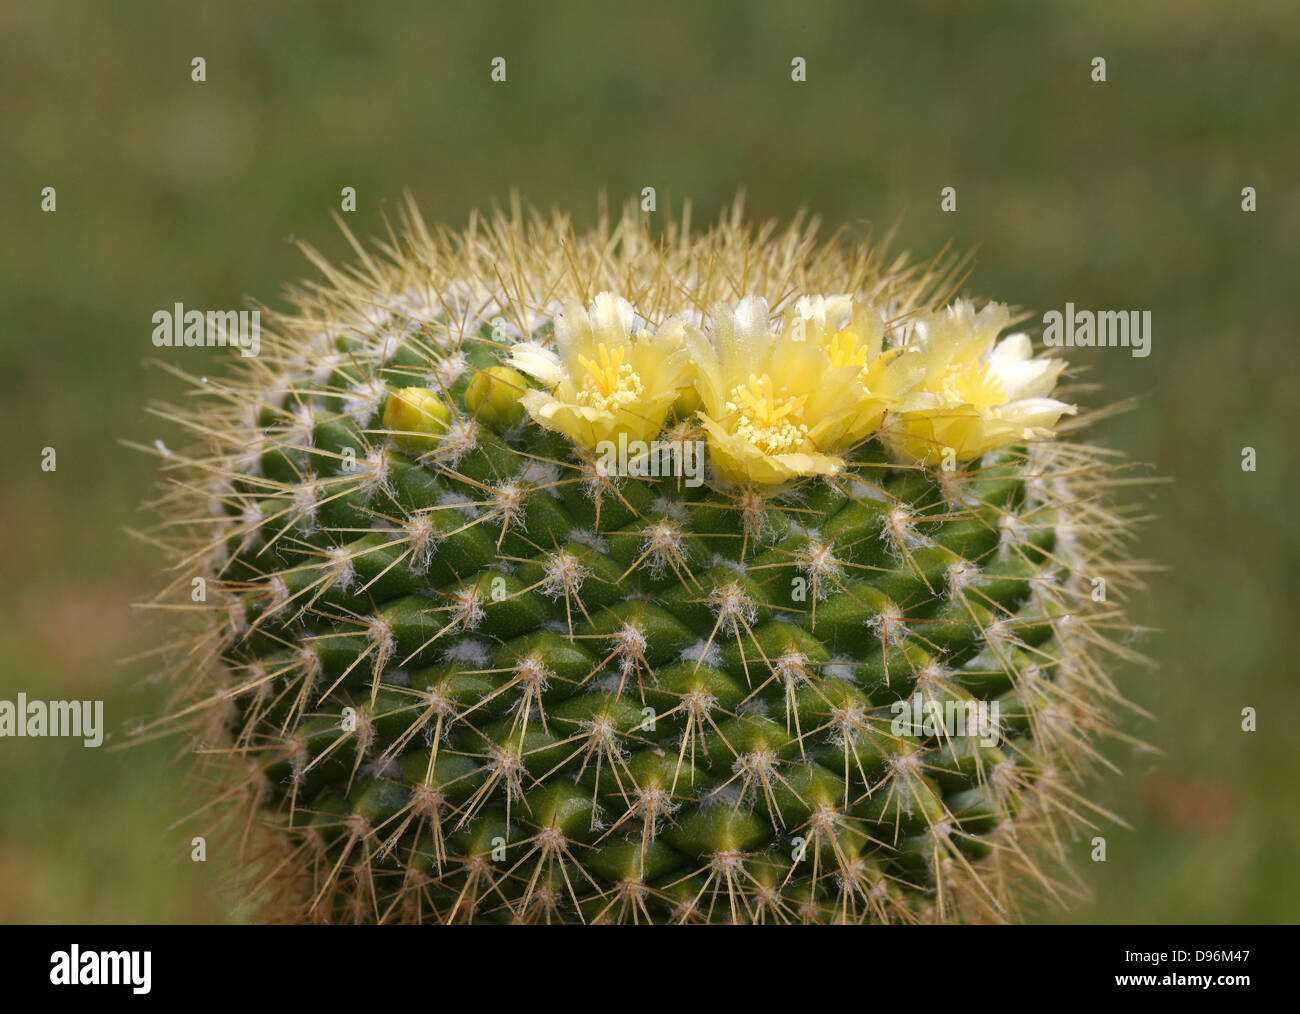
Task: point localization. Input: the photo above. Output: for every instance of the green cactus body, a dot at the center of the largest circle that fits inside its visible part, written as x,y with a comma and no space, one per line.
461,671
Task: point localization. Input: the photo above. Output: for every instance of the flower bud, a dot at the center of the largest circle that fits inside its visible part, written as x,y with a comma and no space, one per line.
493,396
416,418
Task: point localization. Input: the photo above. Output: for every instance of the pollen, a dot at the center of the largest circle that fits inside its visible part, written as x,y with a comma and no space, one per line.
766,419
843,349
973,384
610,382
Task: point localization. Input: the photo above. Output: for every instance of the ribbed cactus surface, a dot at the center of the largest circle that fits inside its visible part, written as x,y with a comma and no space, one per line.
716,576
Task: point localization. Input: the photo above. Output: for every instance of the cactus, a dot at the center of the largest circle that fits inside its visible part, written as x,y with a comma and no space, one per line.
701,576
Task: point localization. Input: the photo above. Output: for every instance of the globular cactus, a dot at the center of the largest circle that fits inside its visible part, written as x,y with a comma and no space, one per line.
720,576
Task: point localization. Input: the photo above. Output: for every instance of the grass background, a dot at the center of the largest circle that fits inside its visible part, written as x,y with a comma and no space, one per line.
1119,195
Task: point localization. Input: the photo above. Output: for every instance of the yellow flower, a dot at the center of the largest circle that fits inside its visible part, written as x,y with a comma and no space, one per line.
852,333
606,378
977,394
774,407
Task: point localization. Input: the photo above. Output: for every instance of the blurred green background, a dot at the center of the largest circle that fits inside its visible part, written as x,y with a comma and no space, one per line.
1125,194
